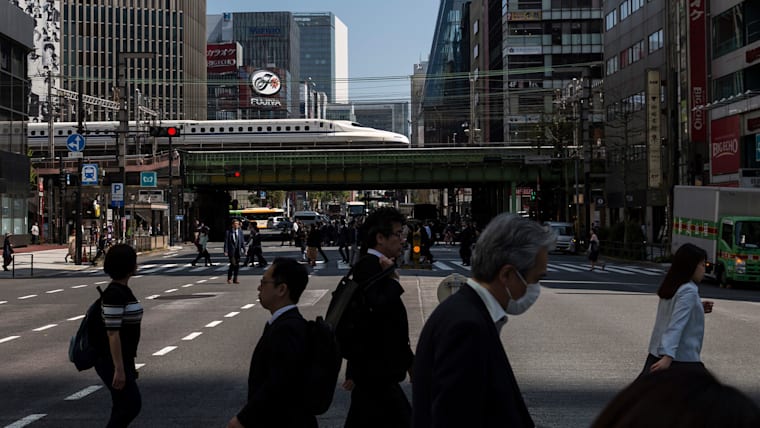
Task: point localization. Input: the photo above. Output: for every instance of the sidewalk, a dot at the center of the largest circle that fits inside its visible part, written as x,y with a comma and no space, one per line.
44,259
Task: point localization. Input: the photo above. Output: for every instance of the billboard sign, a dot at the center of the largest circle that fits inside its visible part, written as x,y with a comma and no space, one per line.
222,57
724,146
698,69
266,83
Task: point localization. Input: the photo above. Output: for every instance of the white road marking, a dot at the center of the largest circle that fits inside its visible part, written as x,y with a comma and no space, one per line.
2,302
45,327
442,266
26,421
151,297
213,278
83,393
221,269
187,285
171,290
27,297
177,269
8,339
201,281
57,290
138,276
164,351
138,366
635,270
79,286
192,335
231,314
211,324
78,317
248,306
101,282
566,268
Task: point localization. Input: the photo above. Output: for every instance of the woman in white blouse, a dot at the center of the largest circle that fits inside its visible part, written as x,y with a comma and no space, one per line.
680,324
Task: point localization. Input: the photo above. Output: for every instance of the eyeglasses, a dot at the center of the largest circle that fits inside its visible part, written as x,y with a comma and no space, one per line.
399,234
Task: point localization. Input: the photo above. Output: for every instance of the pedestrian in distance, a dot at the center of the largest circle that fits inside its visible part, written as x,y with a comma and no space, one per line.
466,241
7,251
234,249
72,249
35,234
379,355
462,375
313,242
254,248
343,249
680,324
122,317
593,250
278,370
203,249
679,397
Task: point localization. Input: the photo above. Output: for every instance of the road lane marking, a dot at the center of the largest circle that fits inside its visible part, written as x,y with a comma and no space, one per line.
214,323
83,393
79,286
171,290
2,302
45,327
164,351
57,290
8,339
78,317
442,266
151,297
231,314
187,285
27,420
213,278
101,282
138,276
635,270
27,297
248,306
139,365
192,335
201,281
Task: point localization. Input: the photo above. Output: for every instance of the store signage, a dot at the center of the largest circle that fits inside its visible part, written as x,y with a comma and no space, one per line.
724,146
653,129
264,82
221,57
753,124
266,102
524,15
698,68
753,55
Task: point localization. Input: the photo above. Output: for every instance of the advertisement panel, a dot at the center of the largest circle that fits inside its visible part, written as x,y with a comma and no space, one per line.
653,129
524,15
221,57
724,146
698,68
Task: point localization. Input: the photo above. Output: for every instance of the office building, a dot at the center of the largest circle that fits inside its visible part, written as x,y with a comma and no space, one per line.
77,46
324,54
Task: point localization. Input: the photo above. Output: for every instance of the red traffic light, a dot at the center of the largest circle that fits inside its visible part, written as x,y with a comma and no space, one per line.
172,131
164,131
237,174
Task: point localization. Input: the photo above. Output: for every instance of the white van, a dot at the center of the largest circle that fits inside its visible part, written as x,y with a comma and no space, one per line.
566,242
308,217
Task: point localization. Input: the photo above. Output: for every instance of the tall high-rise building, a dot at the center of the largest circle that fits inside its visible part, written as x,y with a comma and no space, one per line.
324,54
77,46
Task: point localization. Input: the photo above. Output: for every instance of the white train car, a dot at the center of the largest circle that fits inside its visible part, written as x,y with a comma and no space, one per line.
271,134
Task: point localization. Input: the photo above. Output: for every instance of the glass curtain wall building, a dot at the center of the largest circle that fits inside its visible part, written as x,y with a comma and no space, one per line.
324,54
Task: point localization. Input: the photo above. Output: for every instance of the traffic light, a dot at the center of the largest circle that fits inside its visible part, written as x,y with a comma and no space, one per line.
532,195
164,131
232,172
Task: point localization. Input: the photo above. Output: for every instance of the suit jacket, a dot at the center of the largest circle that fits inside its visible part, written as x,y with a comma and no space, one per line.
276,376
384,354
462,376
230,247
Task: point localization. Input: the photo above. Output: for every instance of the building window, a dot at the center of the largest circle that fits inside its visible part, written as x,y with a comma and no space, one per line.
656,41
611,20
475,51
613,65
752,17
625,10
728,31
475,26
726,86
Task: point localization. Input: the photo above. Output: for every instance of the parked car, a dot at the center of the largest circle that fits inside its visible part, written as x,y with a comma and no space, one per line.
279,223
566,241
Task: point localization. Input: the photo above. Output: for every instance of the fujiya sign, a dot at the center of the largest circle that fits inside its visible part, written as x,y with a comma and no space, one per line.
265,82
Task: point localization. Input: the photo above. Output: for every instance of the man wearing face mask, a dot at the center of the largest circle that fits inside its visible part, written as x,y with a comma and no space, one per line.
462,375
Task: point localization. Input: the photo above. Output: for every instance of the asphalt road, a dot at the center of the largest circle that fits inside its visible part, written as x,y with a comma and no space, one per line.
582,342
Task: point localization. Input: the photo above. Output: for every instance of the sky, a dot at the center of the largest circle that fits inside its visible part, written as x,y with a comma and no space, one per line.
385,38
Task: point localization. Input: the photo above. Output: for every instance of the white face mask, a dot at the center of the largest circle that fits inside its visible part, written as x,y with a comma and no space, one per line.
519,306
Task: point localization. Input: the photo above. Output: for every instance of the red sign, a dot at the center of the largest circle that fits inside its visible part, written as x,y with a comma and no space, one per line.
698,66
221,57
753,124
724,145
753,55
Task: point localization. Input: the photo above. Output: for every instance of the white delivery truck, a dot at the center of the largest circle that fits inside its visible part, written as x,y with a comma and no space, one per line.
725,221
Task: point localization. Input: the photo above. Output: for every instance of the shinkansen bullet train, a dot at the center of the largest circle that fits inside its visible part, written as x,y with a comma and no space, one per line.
272,134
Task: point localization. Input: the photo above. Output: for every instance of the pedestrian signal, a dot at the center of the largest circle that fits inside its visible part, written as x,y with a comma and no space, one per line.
533,195
164,131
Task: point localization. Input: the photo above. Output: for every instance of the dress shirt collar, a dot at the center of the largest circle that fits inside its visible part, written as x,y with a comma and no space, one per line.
374,252
498,316
279,312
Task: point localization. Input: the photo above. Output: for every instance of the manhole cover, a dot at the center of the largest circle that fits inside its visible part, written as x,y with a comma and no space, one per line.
183,296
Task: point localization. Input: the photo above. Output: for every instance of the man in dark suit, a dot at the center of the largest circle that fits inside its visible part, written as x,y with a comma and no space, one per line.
380,355
234,248
280,360
462,375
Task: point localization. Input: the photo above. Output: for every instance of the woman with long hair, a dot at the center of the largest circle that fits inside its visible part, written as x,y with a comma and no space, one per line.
680,325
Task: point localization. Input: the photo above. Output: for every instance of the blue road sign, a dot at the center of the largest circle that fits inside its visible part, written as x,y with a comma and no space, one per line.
757,147
75,142
148,179
89,174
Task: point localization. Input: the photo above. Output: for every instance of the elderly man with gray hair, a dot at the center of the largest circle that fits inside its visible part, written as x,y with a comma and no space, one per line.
462,375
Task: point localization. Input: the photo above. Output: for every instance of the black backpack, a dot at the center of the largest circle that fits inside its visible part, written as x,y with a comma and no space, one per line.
347,309
86,344
324,366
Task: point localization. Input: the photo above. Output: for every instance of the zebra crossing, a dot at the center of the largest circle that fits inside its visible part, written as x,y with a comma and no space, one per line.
438,266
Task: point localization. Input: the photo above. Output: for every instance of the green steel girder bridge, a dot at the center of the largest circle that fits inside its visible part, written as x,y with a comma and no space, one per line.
499,167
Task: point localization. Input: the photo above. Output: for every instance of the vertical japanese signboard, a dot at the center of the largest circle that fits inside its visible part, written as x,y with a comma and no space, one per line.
653,129
698,69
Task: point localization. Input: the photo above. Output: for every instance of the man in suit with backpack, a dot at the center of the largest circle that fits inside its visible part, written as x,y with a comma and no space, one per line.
378,351
278,376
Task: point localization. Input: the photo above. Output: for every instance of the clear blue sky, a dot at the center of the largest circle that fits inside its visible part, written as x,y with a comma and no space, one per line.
385,38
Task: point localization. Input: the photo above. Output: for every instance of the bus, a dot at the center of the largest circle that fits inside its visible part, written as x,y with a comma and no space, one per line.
260,215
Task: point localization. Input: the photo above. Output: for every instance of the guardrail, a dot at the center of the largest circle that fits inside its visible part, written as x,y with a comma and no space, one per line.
13,263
